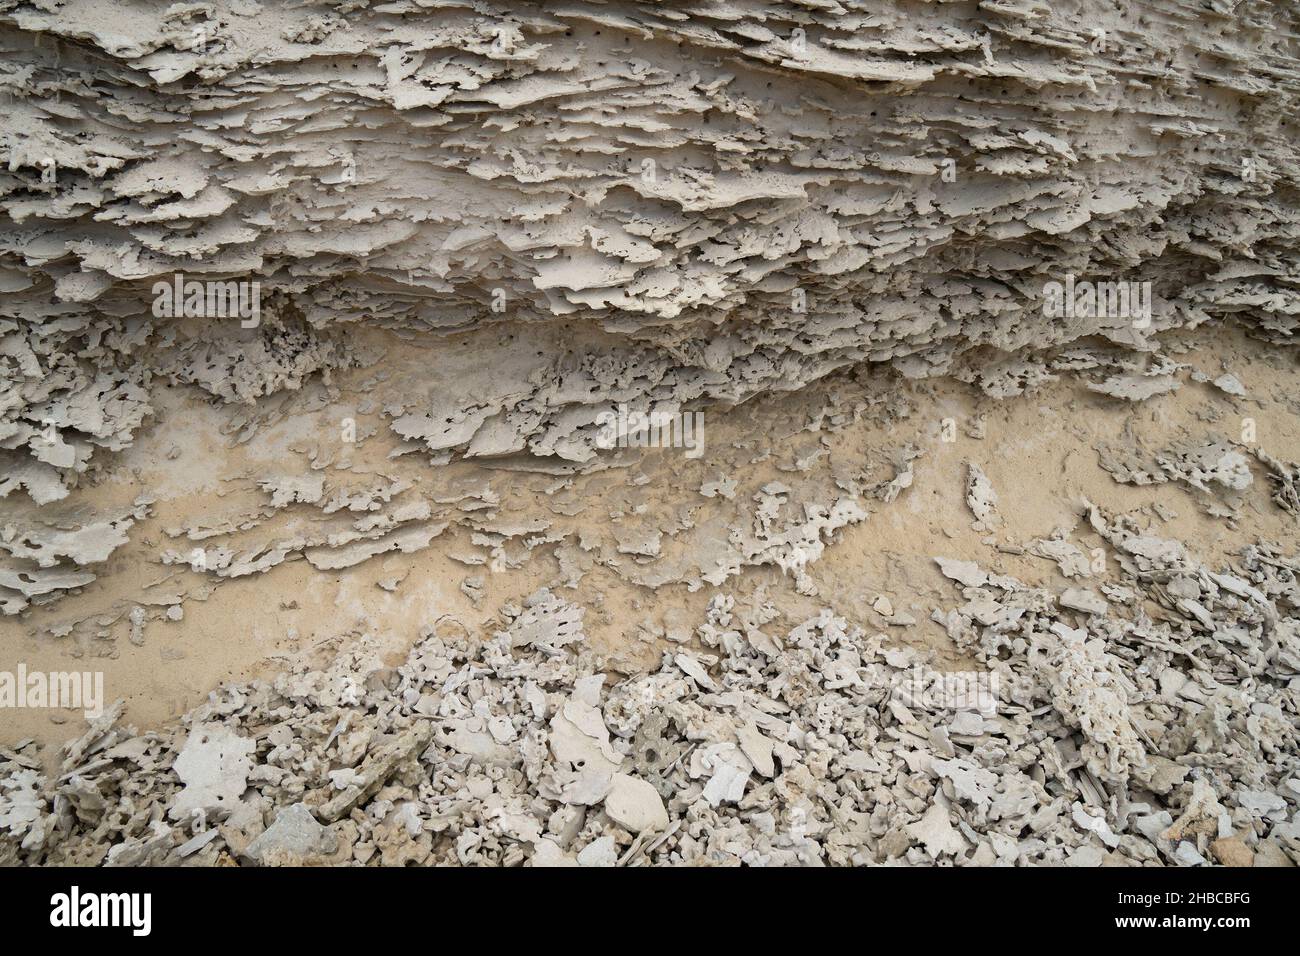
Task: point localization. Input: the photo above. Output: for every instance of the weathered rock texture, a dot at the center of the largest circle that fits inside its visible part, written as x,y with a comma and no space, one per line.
661,206
682,202
1090,743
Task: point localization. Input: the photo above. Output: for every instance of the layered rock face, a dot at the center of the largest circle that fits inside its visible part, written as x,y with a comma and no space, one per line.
313,319
657,204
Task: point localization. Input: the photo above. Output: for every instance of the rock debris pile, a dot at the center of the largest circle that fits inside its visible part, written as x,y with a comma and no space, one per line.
403,259
1152,722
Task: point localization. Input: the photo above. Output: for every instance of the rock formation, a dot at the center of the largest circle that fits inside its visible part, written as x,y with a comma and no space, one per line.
437,270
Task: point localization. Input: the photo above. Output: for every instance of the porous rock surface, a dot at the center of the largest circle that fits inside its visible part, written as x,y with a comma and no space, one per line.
712,199
1089,744
666,205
